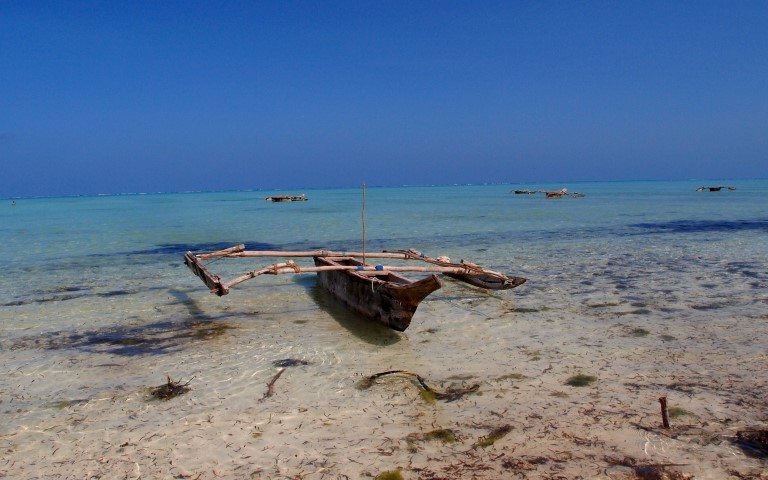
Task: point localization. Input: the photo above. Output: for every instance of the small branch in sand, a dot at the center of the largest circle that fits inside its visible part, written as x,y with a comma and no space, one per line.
271,384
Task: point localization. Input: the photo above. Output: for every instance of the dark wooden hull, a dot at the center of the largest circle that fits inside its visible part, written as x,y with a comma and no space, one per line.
386,297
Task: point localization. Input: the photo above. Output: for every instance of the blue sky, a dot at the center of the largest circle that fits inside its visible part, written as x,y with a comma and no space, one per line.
118,97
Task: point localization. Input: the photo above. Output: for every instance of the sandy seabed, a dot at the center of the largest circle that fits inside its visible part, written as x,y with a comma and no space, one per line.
278,391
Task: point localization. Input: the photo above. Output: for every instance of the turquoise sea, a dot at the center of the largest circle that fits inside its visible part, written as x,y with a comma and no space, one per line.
96,304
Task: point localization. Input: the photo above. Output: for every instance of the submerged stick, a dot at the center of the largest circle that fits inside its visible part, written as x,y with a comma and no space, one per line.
271,384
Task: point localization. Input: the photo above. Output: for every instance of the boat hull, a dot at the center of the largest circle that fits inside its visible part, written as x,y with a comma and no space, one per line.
386,297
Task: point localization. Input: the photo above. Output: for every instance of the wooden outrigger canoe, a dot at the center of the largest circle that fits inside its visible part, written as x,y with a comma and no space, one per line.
376,292
714,189
549,193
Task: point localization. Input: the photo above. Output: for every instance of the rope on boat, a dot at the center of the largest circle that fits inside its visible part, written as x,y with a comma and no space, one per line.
292,264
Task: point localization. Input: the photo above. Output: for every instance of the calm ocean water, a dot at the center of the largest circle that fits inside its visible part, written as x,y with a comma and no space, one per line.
96,304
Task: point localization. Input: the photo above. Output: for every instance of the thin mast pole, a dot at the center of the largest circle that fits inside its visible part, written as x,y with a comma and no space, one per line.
363,222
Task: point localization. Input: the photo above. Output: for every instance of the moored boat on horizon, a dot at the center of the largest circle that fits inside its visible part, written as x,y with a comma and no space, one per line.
287,198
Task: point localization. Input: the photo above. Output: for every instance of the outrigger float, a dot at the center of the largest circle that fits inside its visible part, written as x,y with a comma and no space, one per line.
376,292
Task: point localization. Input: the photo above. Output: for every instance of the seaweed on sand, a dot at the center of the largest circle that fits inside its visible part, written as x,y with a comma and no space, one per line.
444,435
170,389
427,392
581,380
390,475
289,362
495,434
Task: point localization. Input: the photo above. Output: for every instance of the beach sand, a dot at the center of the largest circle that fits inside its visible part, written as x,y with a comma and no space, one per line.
80,405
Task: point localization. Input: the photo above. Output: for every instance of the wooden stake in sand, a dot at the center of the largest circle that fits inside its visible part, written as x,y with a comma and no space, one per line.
664,412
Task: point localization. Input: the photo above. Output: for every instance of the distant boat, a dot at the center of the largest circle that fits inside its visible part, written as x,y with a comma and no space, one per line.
557,194
561,193
714,189
549,193
287,198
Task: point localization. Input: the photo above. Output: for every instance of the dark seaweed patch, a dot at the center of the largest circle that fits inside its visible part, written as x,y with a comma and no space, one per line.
751,271
494,435
31,301
289,362
64,404
444,435
58,298
65,297
706,307
151,339
669,309
687,388
581,380
17,303
703,226
753,442
638,332
61,289
116,293
170,389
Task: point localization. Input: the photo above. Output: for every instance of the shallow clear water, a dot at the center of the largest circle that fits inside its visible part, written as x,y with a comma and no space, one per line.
95,302
108,261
